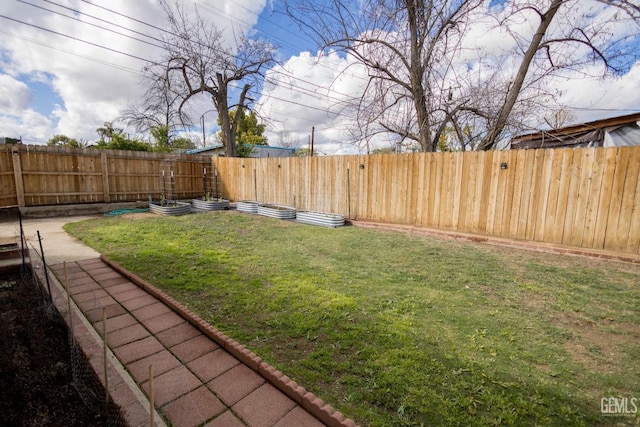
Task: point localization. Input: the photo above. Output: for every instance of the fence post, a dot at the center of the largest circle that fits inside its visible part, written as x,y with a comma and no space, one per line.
105,177
17,173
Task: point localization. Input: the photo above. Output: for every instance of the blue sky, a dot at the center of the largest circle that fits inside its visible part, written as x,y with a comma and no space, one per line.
56,77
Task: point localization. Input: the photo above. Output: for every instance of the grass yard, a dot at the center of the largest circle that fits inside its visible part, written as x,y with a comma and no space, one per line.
397,330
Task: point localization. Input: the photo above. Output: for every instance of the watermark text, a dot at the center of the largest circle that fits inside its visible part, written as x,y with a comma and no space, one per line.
621,406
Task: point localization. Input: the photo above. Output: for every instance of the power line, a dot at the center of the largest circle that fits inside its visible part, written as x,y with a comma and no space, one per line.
99,61
298,89
74,38
164,30
76,11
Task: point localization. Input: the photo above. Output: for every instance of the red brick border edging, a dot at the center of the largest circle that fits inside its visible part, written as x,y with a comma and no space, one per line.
313,404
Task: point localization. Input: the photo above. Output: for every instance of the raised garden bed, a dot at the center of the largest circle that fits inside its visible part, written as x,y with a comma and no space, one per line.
210,205
248,206
277,211
170,208
320,218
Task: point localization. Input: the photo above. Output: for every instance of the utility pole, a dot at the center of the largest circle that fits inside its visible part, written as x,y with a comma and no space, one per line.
204,137
313,131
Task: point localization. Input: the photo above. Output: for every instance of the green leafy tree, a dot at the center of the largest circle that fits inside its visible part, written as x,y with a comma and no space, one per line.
249,132
384,150
63,140
303,152
120,142
112,138
108,132
165,143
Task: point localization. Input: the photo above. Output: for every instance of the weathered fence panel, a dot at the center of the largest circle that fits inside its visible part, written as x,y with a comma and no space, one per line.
8,193
587,197
32,175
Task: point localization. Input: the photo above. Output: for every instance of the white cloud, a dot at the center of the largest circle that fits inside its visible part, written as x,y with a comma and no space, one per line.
15,96
308,92
594,98
98,79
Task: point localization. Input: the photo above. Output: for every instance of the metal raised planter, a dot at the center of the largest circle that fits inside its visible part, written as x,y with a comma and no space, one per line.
210,205
248,206
170,209
277,211
320,218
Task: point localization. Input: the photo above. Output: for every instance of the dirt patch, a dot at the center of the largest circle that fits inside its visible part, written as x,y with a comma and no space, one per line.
37,385
592,344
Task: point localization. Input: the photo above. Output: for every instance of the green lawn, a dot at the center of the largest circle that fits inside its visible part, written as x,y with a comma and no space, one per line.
397,330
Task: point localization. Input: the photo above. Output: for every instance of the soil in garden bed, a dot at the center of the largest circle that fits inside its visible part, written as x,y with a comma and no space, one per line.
36,383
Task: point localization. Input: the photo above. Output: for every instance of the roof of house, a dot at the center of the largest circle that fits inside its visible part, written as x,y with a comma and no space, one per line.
205,149
266,148
589,133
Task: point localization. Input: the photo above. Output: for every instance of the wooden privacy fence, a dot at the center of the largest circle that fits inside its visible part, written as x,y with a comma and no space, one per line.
578,197
33,175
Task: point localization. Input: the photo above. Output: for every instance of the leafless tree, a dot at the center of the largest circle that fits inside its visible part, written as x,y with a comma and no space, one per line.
568,35
426,78
158,107
401,43
199,61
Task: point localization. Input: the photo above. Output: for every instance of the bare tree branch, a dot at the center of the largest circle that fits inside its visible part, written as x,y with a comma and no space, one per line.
197,63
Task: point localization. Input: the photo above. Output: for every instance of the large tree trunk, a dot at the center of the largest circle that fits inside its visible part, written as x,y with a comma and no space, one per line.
490,140
416,75
228,127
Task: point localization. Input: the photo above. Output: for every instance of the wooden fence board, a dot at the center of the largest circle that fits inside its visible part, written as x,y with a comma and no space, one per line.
461,192
633,242
485,190
545,194
445,191
571,199
8,193
508,206
501,194
433,190
577,227
563,195
627,196
609,169
550,225
519,196
492,199
593,198
413,190
534,194
615,203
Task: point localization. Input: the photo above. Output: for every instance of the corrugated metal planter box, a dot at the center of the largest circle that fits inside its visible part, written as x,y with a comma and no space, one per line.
277,211
210,205
320,218
249,206
171,209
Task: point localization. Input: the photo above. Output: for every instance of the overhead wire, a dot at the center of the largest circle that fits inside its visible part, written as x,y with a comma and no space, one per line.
78,12
270,36
76,54
274,70
293,87
74,38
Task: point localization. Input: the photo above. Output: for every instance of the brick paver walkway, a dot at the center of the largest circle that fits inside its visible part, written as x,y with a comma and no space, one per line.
195,381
